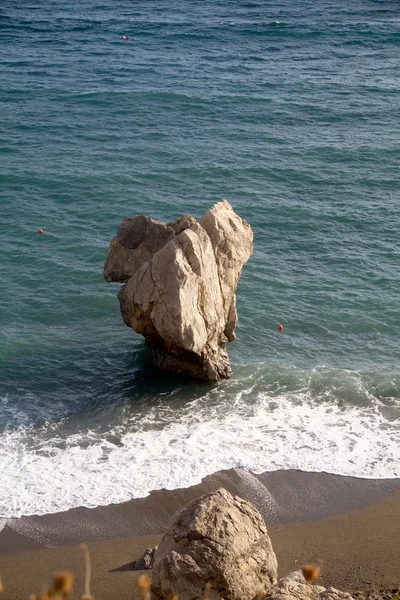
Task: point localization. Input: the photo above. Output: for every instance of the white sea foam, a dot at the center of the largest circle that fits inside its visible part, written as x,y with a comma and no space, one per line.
262,435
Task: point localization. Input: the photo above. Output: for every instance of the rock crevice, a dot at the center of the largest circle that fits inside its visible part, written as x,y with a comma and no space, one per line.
180,281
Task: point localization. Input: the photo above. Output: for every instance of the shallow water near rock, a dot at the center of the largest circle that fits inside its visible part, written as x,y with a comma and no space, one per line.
290,112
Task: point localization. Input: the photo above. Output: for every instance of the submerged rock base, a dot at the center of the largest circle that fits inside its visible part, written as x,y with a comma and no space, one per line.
180,284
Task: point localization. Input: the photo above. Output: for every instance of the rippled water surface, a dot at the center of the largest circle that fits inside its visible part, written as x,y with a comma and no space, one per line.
291,111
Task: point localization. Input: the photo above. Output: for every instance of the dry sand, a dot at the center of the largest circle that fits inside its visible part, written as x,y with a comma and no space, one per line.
351,527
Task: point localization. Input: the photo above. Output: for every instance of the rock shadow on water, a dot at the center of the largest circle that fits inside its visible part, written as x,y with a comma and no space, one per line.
147,382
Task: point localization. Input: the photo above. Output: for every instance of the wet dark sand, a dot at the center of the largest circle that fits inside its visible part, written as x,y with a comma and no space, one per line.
350,526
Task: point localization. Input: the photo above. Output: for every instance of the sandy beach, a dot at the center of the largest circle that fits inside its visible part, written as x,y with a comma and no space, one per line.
351,527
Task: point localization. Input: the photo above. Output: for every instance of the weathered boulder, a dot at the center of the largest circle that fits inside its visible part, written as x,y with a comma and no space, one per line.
217,539
136,242
225,228
180,283
295,587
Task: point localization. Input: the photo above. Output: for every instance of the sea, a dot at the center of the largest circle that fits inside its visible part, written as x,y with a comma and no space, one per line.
290,110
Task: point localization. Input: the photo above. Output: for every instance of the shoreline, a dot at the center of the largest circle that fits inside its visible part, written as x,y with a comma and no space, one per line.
349,526
281,496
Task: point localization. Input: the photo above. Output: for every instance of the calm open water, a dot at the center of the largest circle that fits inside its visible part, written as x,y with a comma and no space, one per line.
290,110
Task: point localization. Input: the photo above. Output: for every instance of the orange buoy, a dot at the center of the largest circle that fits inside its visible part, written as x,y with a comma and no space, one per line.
40,230
126,37
280,327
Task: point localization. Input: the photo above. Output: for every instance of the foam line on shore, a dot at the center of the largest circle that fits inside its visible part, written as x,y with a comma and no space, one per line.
280,496
168,446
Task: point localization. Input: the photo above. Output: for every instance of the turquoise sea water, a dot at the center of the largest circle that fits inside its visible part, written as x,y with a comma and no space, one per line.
288,109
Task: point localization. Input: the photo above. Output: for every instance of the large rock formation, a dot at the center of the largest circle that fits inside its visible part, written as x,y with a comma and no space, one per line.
219,540
180,283
295,587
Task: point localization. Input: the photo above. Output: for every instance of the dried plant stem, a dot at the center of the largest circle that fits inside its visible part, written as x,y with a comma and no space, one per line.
310,572
207,588
308,590
88,569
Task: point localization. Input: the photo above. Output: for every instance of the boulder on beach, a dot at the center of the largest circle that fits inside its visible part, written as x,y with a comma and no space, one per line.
295,587
180,284
218,540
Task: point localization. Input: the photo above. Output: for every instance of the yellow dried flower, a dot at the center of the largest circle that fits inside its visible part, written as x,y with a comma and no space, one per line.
310,572
62,584
143,583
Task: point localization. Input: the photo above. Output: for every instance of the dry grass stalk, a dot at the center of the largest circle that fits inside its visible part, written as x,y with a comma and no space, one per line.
310,572
1,586
87,595
206,593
